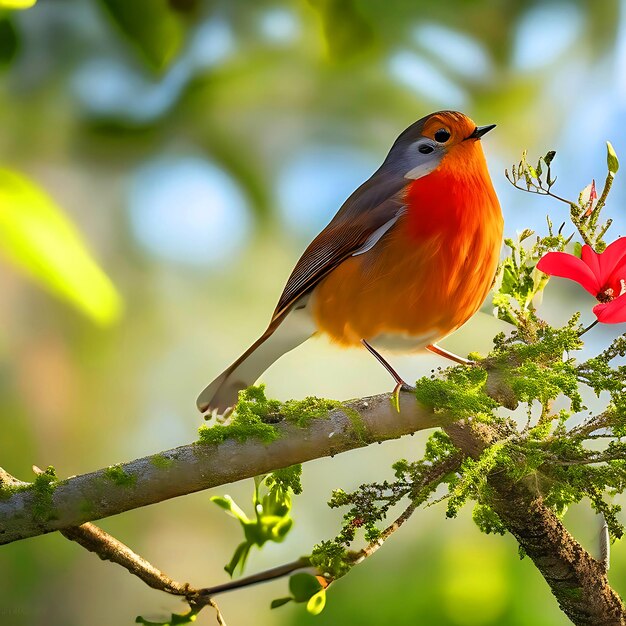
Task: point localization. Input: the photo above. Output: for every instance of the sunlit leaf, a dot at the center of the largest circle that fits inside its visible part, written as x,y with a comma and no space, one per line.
222,502
17,4
151,26
316,602
229,505
40,239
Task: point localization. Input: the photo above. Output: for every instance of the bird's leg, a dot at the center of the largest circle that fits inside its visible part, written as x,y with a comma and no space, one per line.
435,349
400,384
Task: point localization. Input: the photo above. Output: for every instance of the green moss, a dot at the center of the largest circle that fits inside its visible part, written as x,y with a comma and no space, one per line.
252,419
573,593
42,488
471,482
303,412
7,491
119,476
461,394
160,461
331,557
357,425
487,520
255,417
86,507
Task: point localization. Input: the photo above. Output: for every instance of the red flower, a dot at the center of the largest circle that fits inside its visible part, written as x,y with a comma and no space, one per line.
602,275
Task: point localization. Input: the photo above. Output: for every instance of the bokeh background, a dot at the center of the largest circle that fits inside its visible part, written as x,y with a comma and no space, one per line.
198,146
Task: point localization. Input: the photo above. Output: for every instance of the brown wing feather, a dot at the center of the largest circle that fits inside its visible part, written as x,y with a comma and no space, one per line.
372,205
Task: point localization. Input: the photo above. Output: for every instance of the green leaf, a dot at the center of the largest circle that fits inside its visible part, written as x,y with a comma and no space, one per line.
303,586
578,249
509,280
279,602
37,237
225,503
17,4
239,558
317,602
549,157
151,26
230,506
612,161
281,528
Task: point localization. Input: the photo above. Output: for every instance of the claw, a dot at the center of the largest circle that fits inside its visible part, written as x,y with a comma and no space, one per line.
395,394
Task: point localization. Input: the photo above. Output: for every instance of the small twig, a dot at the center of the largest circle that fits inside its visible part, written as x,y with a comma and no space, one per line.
261,577
540,190
602,457
590,425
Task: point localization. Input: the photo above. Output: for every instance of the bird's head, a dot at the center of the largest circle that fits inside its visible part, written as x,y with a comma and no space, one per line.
424,145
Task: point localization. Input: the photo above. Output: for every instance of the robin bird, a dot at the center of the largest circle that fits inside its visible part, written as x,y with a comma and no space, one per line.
410,257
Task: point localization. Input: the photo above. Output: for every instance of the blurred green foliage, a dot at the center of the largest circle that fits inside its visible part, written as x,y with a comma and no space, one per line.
151,26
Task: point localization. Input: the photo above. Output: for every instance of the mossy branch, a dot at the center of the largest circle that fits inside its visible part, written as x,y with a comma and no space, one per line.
25,512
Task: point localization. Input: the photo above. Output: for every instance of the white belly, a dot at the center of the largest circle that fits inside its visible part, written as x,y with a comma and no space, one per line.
401,342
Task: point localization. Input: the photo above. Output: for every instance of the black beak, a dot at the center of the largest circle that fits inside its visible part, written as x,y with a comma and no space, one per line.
479,131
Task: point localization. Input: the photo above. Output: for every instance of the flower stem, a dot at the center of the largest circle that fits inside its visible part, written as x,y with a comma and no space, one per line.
584,330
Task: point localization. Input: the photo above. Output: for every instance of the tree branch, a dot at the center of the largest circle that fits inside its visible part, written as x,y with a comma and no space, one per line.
108,548
195,467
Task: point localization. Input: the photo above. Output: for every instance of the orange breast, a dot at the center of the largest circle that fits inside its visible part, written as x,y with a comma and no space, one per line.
434,268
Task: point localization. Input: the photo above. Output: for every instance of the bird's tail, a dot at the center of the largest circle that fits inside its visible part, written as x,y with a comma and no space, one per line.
284,334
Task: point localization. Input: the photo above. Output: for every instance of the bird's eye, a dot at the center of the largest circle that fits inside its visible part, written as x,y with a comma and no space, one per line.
442,135
425,148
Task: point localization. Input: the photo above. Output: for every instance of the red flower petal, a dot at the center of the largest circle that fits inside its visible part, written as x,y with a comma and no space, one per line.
613,312
592,259
613,261
570,266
